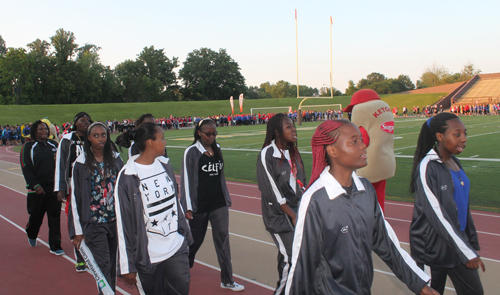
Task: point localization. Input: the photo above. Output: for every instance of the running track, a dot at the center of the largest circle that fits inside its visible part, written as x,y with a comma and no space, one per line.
30,269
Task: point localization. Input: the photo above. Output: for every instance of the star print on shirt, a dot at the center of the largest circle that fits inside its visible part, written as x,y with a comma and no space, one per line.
173,213
154,223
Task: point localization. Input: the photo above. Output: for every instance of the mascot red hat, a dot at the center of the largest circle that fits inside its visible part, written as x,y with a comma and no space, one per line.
361,96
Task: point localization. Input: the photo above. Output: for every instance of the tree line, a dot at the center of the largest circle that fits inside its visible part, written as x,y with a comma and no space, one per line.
63,72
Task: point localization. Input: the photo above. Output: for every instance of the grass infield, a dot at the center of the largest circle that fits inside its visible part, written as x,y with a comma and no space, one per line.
241,146
58,114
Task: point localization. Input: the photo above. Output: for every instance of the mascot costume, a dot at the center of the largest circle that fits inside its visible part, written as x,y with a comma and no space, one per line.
376,123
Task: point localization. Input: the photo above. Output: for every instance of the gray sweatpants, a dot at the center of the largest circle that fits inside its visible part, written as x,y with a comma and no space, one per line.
284,242
170,276
219,220
103,243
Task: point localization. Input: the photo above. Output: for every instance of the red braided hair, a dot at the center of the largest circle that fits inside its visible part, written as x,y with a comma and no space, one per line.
323,136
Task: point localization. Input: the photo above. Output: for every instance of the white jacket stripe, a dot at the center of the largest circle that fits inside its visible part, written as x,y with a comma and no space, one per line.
74,210
406,257
437,209
186,181
299,231
122,247
275,189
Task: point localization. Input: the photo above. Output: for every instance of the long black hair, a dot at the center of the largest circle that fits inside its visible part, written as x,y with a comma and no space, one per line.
34,128
197,137
274,132
109,149
427,140
141,119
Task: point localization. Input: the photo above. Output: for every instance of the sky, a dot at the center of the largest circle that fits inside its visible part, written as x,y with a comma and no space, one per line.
384,36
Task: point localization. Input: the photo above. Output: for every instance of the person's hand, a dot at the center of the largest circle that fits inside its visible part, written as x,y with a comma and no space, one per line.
77,241
61,197
426,290
189,215
294,220
130,278
475,264
39,190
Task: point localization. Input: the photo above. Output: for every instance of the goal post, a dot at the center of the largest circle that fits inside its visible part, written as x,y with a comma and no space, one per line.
284,109
322,107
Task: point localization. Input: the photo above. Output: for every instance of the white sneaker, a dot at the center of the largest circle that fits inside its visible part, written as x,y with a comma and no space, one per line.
234,286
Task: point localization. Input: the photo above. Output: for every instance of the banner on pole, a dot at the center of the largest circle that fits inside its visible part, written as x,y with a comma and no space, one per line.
241,103
232,104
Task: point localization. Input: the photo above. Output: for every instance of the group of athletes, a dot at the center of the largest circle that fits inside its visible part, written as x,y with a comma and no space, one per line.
136,219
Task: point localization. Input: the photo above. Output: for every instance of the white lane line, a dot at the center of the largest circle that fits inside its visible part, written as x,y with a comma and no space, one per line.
475,156
242,196
411,205
11,172
486,233
48,247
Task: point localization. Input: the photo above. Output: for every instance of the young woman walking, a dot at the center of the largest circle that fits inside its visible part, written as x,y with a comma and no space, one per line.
92,207
205,198
442,233
38,166
340,223
153,234
70,147
281,179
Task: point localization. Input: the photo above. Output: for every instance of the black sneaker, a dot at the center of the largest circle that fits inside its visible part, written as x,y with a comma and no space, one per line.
81,267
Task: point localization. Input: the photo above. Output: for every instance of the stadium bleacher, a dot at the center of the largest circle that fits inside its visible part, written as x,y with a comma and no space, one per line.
485,89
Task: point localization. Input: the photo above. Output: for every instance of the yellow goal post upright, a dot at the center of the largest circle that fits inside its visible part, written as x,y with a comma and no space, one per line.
304,98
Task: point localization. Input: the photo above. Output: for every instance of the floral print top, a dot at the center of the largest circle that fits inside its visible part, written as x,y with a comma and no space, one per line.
102,204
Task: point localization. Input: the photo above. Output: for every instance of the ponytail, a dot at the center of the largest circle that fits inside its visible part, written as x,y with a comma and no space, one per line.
427,140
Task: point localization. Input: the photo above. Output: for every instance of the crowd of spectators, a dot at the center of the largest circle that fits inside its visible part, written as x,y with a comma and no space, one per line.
17,134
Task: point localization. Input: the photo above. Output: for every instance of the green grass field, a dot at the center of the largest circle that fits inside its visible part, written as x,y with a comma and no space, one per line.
241,146
58,114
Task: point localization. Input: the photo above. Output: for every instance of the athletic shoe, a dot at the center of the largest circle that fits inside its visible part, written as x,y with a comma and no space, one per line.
233,286
57,252
81,267
32,242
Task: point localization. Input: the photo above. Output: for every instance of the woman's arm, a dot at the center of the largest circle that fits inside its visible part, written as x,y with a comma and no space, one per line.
126,224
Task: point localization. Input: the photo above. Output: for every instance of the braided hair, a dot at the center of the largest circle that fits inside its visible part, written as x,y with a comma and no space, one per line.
274,132
327,133
197,137
427,140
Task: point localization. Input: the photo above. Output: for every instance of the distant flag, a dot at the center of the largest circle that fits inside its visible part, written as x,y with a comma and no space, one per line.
241,103
331,20
295,14
232,104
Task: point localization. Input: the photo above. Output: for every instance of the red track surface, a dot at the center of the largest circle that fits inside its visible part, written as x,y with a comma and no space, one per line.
35,270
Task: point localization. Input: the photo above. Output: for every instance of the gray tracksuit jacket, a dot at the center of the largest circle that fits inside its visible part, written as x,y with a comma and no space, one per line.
132,236
435,236
334,238
79,211
70,147
189,178
278,186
